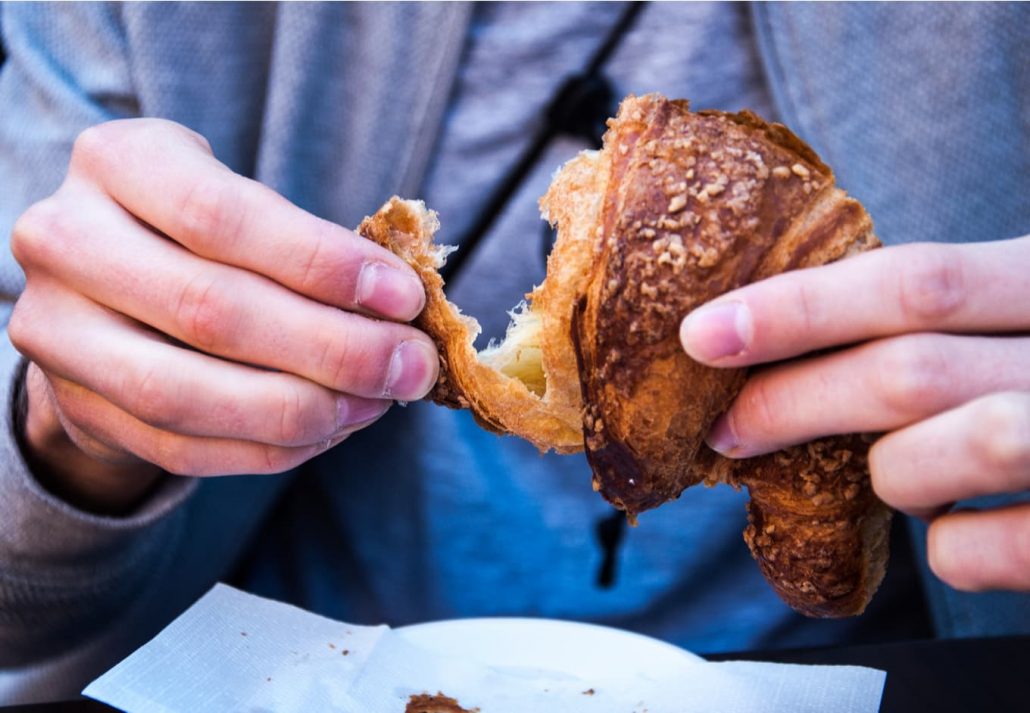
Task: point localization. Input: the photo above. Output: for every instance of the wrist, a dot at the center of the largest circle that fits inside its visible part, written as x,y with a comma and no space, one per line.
64,469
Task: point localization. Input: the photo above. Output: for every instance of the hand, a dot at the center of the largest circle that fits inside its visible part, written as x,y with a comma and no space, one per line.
934,348
180,315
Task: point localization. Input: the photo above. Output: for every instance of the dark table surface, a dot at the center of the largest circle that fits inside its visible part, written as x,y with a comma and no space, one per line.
943,676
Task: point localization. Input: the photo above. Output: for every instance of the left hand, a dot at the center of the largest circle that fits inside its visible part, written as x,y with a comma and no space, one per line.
934,351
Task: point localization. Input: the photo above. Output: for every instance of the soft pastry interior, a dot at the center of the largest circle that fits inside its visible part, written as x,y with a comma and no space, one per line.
527,384
519,355
678,208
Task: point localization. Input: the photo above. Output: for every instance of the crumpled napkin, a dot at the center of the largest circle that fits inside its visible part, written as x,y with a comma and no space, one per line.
233,651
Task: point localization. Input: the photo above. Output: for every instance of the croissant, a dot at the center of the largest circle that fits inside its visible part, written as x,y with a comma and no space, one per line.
676,209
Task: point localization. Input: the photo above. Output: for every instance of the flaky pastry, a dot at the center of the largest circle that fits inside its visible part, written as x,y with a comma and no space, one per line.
676,209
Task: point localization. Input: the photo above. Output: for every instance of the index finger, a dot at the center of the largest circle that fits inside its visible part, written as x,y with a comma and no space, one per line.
972,288
167,176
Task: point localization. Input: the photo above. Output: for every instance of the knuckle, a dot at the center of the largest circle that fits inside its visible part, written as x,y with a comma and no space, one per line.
278,459
67,398
100,145
23,328
43,228
203,313
172,454
811,310
932,283
154,401
336,362
295,427
190,135
86,438
348,364
177,463
19,328
176,456
96,143
757,410
211,212
316,269
1001,439
82,415
912,373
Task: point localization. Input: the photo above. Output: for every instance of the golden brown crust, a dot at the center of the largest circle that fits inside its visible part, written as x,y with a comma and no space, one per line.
499,403
697,205
677,209
815,527
573,201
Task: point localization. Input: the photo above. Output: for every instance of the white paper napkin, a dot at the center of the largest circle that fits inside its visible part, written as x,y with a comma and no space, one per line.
233,651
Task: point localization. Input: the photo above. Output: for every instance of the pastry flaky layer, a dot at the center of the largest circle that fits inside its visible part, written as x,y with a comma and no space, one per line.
677,208
505,387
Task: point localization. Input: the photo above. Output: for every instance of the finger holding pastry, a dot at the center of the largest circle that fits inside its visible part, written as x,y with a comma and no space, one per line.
874,387
965,288
181,318
935,327
977,449
978,551
938,364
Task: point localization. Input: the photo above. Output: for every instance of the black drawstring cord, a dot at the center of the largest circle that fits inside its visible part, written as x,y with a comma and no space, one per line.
610,531
580,108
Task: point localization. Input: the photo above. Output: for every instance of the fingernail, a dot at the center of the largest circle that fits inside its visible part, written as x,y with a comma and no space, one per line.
721,438
717,331
353,411
412,372
389,291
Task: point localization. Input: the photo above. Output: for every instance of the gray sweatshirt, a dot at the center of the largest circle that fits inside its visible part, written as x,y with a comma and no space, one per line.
922,111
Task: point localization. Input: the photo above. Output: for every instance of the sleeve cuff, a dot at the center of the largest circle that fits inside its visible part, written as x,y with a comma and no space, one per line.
40,527
59,565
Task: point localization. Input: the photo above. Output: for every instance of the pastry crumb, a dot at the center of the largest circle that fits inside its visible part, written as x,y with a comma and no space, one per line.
439,703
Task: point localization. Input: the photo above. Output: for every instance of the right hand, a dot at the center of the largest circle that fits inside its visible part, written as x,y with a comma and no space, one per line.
180,317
